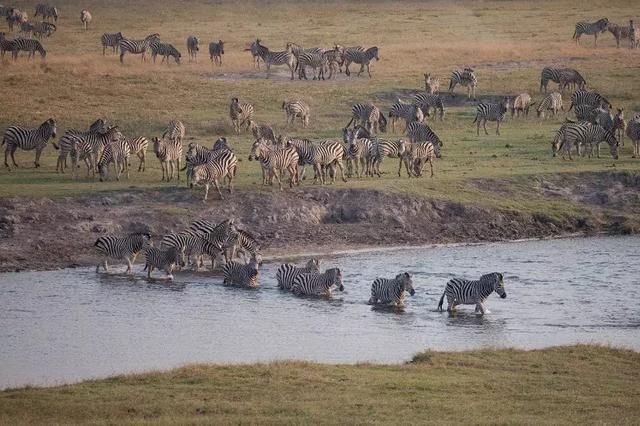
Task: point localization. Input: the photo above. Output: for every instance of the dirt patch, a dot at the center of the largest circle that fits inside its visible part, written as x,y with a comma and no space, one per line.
48,234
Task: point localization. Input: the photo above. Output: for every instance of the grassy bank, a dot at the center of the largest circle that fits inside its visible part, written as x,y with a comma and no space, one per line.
563,385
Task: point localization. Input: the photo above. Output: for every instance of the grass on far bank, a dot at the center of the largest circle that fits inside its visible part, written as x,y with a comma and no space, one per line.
563,385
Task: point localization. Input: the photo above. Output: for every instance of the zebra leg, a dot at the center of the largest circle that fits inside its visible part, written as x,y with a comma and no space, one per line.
484,126
368,72
106,265
13,156
478,128
498,128
129,265
215,182
431,164
178,168
346,68
595,39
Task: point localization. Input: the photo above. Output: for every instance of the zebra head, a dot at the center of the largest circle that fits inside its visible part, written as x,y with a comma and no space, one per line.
372,52
259,150
51,125
405,281
336,277
313,265
158,145
603,24
497,280
221,143
612,141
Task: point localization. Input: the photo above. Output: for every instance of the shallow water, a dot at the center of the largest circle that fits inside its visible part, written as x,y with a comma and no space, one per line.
67,325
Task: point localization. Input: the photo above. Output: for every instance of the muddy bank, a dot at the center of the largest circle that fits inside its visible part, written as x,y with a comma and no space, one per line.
50,234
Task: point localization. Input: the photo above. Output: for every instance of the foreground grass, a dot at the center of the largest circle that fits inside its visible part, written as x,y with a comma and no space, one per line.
563,385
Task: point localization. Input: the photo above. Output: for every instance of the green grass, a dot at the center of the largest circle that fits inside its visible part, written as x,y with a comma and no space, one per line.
563,385
414,38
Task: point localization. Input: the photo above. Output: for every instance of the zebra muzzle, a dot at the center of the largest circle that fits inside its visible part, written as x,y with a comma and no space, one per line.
412,292
503,296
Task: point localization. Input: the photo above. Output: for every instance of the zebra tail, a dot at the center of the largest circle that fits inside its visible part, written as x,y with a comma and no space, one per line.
575,33
441,301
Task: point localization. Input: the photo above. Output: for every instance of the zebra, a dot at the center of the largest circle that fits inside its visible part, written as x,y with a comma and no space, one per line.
383,149
127,247
262,131
5,45
112,40
391,291
363,58
420,132
46,11
85,18
466,78
165,50
166,260
67,143
295,109
334,61
139,147
286,273
169,154
258,51
192,244
431,85
467,292
586,134
216,50
14,17
241,242
584,97
27,28
491,112
136,47
221,234
619,32
278,58
306,152
240,114
27,139
316,284
368,116
208,173
116,152
28,45
193,48
634,38
406,112
43,29
360,149
276,161
585,113
244,275
521,104
619,125
590,28
329,155
426,101
552,102
571,78
633,132
316,60
549,74
417,155
89,146
221,154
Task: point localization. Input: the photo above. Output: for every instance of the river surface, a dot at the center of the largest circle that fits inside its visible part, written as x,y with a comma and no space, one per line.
67,325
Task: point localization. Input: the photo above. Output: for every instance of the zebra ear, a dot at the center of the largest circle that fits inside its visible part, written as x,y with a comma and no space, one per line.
406,274
500,276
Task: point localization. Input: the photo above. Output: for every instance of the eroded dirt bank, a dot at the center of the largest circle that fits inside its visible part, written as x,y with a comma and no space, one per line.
50,234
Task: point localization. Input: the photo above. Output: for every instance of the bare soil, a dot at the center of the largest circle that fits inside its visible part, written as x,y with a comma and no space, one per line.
49,234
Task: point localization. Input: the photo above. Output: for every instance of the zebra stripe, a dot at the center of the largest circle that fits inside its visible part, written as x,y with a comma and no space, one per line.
136,47
384,148
5,45
427,101
28,45
633,132
417,155
276,161
360,150
420,132
391,291
569,77
68,141
584,97
220,235
619,32
112,40
139,147
586,135
193,48
126,247
240,114
90,146
552,102
244,275
466,78
295,109
85,18
368,116
305,150
46,11
242,242
619,126
361,57
491,112
169,154
216,50
258,51
314,59
175,131
262,131
27,139
316,284
278,58
549,74
590,28
43,29
165,50
14,17
116,152
166,260
467,292
193,244
286,273
208,173
521,104
329,154
406,112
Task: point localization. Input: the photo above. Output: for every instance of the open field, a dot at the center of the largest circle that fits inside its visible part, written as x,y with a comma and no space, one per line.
507,43
562,385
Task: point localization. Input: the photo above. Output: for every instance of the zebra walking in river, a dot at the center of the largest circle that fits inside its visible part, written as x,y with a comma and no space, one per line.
459,291
127,248
286,273
391,291
315,284
244,275
27,139
165,259
136,47
590,28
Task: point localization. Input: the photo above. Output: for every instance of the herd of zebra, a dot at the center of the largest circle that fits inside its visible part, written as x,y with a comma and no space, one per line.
224,241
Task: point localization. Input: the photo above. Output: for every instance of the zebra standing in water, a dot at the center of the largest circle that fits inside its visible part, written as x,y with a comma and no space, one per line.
27,139
278,58
315,284
85,18
590,28
295,109
369,117
216,50
427,101
466,292
287,273
193,48
136,47
407,112
165,50
241,113
243,275
391,290
112,40
195,245
28,45
126,248
276,161
363,58
491,112
466,78
552,102
166,260
242,242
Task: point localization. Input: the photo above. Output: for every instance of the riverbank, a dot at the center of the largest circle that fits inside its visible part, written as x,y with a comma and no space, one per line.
43,234
563,385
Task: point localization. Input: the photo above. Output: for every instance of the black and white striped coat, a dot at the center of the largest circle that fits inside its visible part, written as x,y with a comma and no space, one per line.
297,109
369,117
391,291
305,150
165,259
258,51
552,102
584,97
315,284
287,272
278,58
465,77
89,146
165,50
139,147
242,243
194,245
67,143
421,132
491,112
361,57
27,139
316,60
240,274
6,45
175,131
549,74
360,151
85,18
208,173
28,45
43,29
521,104
459,291
571,78
46,11
329,154
193,48
384,148
276,161
136,47
126,248
418,154
116,152
586,135
633,133
404,111
262,131
110,40
169,153
590,28
241,113
216,50
426,101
